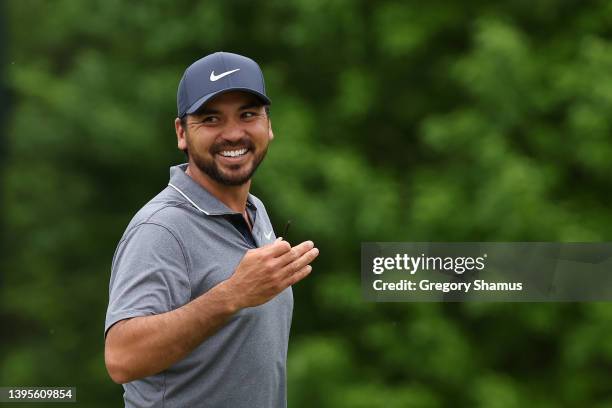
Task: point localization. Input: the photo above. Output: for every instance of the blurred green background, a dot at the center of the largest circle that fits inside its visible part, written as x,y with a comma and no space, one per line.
394,121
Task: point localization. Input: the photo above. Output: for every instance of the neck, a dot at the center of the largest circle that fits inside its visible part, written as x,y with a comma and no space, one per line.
234,197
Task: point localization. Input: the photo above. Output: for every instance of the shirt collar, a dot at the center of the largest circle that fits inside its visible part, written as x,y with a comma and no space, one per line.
197,195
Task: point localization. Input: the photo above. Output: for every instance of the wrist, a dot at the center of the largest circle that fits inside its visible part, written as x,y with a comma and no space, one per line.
228,296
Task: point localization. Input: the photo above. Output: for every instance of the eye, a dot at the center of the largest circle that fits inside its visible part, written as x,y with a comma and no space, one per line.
209,119
249,114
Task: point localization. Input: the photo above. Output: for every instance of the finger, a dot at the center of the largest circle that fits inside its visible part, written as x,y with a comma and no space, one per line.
299,275
301,262
277,248
295,253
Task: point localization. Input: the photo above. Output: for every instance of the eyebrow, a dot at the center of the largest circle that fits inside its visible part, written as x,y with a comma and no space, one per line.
208,111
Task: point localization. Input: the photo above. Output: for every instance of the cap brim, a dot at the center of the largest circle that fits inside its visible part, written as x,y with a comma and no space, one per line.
200,102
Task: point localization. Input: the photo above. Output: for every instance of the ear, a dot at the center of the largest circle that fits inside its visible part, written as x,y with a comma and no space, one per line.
270,132
181,140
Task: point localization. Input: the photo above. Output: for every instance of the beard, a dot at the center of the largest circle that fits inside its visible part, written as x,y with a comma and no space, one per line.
238,174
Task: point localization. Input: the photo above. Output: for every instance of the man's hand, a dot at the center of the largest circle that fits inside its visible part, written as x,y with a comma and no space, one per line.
265,272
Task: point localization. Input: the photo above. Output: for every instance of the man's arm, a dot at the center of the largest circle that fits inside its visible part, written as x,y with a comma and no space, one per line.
143,346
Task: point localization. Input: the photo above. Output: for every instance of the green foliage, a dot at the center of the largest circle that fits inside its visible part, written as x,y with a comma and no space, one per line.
393,121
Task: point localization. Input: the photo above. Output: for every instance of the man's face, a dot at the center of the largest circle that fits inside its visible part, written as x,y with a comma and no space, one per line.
228,137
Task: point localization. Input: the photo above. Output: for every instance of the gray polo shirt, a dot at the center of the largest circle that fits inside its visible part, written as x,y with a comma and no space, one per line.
178,246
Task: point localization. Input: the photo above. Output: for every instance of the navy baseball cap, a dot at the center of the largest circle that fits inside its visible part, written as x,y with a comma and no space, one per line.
215,74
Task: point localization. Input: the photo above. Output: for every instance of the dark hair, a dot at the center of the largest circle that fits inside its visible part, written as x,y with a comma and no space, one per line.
184,126
184,122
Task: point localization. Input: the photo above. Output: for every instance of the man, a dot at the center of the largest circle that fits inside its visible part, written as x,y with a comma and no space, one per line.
200,293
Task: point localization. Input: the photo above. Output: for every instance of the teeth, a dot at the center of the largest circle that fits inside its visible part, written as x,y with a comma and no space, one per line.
233,153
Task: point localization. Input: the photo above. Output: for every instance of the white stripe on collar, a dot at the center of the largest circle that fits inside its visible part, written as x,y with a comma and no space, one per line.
187,198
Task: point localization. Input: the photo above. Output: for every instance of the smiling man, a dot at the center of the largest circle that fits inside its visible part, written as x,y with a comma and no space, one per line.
200,301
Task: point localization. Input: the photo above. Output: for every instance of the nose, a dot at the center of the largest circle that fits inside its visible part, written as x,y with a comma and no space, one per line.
233,131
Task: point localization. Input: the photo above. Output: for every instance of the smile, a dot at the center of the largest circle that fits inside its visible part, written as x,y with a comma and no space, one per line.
234,153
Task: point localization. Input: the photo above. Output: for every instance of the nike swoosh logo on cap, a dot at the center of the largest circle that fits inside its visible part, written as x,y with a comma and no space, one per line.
268,235
214,77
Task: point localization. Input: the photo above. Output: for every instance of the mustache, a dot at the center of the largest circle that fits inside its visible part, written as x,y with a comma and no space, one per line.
238,144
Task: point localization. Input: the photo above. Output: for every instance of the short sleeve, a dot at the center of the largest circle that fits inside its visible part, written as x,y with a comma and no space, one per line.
149,275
